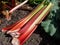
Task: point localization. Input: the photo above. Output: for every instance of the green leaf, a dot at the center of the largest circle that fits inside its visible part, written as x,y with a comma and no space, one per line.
52,29
48,27
52,23
45,25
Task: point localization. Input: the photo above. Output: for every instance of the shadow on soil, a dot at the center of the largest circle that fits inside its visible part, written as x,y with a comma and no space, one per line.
46,39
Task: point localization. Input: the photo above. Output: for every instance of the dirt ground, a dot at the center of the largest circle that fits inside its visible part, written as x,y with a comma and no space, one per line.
39,37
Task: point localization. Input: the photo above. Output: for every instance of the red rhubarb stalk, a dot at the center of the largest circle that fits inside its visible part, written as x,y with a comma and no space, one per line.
18,26
11,26
26,26
34,29
29,35
31,21
29,30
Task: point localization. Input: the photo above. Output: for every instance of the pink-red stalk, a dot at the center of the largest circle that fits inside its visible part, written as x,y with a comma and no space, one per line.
12,10
11,26
22,23
29,30
21,43
31,21
33,29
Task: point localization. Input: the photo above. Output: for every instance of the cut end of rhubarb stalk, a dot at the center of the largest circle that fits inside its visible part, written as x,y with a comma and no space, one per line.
15,41
15,34
8,32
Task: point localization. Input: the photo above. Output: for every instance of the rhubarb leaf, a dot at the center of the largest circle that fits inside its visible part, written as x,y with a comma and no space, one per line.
52,22
46,24
49,28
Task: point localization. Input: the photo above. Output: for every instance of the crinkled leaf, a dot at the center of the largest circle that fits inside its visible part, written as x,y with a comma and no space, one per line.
52,29
54,17
48,27
46,24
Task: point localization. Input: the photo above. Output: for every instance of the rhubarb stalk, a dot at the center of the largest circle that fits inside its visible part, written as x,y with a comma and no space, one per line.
5,29
32,20
35,27
29,23
29,30
12,10
18,26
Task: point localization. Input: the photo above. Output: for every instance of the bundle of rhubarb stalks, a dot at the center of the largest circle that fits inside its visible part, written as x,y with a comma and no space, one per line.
23,29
